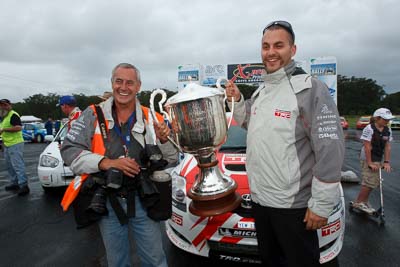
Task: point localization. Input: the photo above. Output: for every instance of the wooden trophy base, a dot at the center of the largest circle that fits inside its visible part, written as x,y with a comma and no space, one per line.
206,206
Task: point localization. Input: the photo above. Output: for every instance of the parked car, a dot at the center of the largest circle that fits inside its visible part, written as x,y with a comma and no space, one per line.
344,123
362,122
231,236
52,171
34,132
395,123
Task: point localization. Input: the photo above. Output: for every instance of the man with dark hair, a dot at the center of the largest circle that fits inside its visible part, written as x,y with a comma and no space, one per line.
11,133
295,150
49,126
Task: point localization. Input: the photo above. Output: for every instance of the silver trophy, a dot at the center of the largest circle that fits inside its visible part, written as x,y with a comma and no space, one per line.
199,125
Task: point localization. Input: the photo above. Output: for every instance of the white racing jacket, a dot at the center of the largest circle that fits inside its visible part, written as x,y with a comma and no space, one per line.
295,145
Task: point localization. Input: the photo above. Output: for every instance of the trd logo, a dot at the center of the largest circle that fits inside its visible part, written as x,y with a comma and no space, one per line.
177,219
282,114
331,228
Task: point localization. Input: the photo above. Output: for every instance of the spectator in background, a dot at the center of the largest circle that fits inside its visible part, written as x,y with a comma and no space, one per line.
376,138
11,133
57,126
49,126
69,108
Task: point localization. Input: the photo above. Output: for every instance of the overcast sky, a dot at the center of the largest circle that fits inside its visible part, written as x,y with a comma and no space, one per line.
70,47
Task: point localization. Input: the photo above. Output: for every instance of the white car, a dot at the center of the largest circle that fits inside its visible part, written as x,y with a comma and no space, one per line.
232,236
52,171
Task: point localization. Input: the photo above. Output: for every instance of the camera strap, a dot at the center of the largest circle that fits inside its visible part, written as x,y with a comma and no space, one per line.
115,204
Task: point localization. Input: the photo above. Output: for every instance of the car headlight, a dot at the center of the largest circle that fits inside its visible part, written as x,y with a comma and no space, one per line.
48,161
179,188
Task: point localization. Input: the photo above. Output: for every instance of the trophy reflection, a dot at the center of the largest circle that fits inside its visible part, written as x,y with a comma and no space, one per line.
200,128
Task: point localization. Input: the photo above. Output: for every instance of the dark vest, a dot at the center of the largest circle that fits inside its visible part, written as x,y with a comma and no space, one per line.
378,142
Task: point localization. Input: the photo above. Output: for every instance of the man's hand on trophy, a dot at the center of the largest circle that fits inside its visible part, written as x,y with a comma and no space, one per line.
232,91
162,131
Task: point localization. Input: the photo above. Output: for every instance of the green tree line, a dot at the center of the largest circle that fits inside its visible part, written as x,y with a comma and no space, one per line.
45,106
355,96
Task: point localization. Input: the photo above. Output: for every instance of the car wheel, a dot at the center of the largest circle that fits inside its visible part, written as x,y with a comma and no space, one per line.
47,190
39,138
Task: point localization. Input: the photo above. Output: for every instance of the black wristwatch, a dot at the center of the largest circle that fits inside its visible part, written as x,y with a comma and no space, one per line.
385,161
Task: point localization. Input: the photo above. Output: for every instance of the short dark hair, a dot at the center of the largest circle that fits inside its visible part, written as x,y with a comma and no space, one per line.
5,101
281,24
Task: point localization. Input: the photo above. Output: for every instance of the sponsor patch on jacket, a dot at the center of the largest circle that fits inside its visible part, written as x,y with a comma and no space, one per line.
331,228
282,113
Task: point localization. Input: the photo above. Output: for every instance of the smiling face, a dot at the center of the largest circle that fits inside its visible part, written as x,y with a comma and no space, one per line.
276,49
125,85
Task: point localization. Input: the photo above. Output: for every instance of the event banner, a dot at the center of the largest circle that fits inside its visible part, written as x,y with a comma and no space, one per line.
325,70
322,68
188,72
211,73
245,73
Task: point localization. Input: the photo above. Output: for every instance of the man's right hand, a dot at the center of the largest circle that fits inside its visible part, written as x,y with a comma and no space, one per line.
127,165
232,91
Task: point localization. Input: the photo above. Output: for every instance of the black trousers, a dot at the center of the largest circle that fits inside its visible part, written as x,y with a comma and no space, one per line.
283,239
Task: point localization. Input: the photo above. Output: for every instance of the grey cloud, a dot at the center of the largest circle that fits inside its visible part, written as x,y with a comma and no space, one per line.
71,46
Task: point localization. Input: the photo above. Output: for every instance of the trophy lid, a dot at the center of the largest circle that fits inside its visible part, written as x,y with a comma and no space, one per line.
193,91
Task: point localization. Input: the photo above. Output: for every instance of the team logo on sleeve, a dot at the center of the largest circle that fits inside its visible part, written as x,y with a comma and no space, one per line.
282,113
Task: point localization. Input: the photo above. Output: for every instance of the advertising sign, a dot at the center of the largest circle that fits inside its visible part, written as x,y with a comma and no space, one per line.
325,70
245,73
211,73
189,72
322,68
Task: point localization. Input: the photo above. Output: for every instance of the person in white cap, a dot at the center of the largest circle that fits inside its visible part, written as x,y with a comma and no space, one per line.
376,138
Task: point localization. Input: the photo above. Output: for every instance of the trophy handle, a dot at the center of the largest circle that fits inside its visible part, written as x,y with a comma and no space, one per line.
167,118
218,84
160,104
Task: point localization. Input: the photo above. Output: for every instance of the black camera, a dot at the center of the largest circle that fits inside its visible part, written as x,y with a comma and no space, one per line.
112,178
151,160
98,203
152,157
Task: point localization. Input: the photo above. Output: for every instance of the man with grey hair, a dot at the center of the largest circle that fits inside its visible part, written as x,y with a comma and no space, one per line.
116,147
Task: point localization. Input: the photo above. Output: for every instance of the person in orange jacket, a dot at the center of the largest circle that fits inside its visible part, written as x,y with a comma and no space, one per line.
88,151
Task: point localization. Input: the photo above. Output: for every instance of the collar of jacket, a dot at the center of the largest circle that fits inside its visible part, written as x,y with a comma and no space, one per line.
298,82
283,73
139,126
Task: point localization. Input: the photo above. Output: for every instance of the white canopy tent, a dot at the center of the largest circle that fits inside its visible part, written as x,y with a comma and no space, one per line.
30,118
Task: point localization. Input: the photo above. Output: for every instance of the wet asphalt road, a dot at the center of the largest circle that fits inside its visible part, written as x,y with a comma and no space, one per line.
35,232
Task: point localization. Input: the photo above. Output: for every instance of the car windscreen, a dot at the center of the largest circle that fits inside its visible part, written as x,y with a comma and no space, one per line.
62,133
40,126
236,139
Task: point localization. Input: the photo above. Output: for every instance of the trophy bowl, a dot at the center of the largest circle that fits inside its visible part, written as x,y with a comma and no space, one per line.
200,127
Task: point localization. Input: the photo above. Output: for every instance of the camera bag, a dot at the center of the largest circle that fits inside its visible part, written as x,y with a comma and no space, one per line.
162,209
